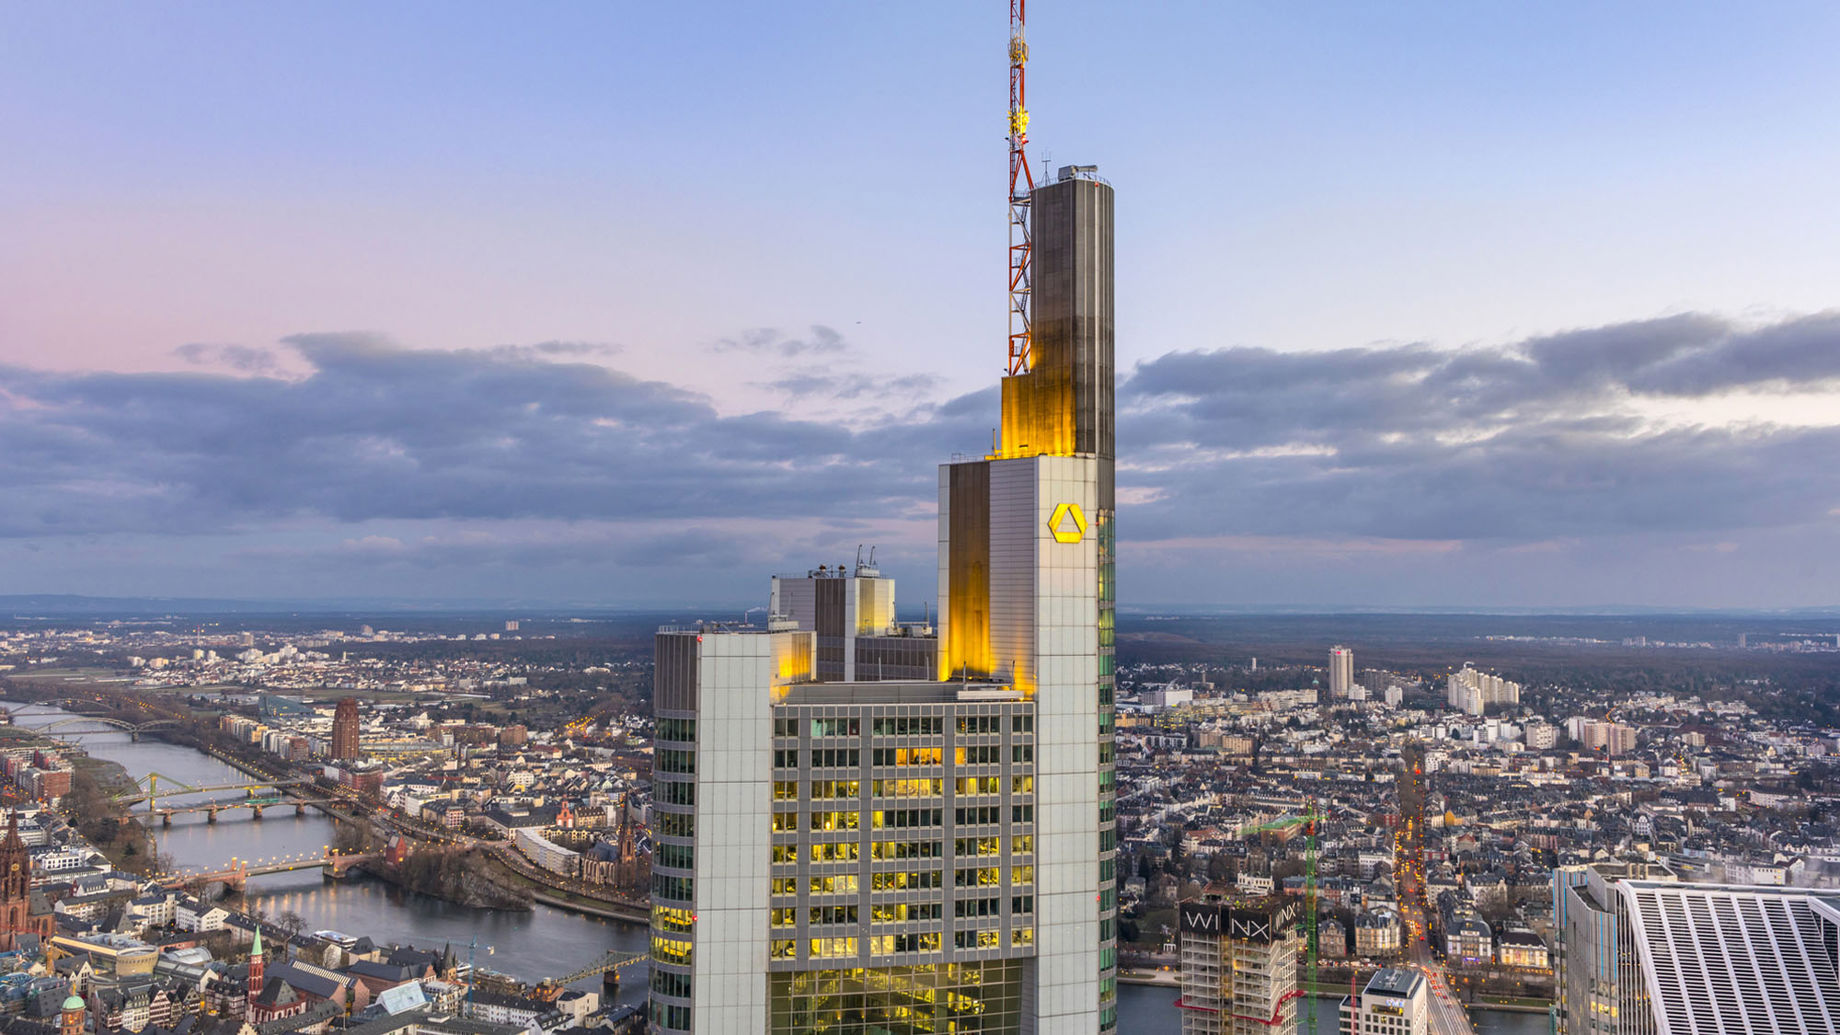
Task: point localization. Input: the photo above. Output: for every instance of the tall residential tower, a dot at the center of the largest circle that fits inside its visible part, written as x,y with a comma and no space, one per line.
345,736
1341,672
846,843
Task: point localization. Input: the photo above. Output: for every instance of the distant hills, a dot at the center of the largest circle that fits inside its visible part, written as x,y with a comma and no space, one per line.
46,604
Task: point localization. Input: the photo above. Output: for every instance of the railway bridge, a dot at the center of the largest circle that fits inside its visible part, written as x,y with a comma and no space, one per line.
255,796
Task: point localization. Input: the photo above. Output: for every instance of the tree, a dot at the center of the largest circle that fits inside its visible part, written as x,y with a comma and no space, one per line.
291,923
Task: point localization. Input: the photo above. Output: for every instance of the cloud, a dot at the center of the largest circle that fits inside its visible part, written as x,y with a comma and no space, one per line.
532,455
240,358
1539,439
821,340
812,382
374,431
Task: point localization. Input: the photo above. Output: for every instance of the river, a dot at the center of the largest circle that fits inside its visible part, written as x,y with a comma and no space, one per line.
543,942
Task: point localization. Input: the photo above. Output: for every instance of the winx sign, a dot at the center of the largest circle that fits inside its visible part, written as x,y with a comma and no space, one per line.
1265,923
1202,919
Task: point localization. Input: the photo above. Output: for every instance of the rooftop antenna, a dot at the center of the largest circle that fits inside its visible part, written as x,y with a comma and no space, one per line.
1021,185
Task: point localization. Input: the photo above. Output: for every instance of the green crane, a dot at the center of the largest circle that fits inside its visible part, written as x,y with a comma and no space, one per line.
1309,910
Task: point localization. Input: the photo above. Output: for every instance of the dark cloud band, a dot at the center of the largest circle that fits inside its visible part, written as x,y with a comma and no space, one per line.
1543,439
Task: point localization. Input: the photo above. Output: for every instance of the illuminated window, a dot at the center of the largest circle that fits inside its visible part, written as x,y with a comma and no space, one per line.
671,950
832,948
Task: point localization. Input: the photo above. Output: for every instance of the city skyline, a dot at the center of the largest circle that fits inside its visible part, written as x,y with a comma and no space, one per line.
403,316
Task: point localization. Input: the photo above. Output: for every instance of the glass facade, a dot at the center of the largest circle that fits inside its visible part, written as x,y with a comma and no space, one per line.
951,997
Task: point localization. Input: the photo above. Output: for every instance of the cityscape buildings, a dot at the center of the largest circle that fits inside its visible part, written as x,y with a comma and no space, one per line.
1612,738
849,842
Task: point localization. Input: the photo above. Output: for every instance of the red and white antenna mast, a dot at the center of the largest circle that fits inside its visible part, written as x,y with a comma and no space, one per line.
1021,183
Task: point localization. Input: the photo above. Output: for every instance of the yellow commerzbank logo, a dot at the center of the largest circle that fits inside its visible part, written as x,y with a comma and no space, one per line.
1068,523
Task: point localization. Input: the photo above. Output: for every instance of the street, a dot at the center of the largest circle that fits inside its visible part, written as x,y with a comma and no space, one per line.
1448,1017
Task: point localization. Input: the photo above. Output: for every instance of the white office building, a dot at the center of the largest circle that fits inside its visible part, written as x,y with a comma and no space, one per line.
1396,1001
1643,954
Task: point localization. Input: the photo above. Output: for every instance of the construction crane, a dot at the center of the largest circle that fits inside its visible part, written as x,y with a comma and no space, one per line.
1021,186
1313,819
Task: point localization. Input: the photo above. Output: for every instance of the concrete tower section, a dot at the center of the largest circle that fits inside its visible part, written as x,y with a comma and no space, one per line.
1063,404
1026,593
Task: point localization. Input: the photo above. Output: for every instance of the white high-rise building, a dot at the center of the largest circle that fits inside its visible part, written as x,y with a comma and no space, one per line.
1341,672
1612,738
1541,736
1642,954
1471,692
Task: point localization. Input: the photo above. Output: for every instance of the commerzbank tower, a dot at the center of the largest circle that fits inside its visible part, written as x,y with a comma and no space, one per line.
864,825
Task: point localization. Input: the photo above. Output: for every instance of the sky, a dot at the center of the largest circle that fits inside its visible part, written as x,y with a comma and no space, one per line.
1419,304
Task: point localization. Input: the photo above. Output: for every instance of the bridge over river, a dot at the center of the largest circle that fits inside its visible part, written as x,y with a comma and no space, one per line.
285,856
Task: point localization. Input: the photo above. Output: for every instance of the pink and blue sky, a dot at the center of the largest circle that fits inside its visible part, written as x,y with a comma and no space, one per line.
623,304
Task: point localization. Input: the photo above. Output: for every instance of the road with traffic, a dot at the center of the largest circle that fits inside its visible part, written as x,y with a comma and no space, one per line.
1448,1015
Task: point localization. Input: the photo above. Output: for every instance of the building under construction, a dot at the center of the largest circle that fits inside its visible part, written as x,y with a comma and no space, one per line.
1239,964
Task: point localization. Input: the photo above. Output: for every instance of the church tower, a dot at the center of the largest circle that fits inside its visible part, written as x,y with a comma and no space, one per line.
70,1018
15,883
255,973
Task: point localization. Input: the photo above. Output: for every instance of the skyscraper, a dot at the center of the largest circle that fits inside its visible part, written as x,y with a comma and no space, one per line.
1239,964
1026,586
847,844
1341,672
1645,956
345,729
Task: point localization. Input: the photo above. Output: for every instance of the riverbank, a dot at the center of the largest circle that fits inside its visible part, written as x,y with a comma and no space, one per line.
456,875
626,914
92,807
